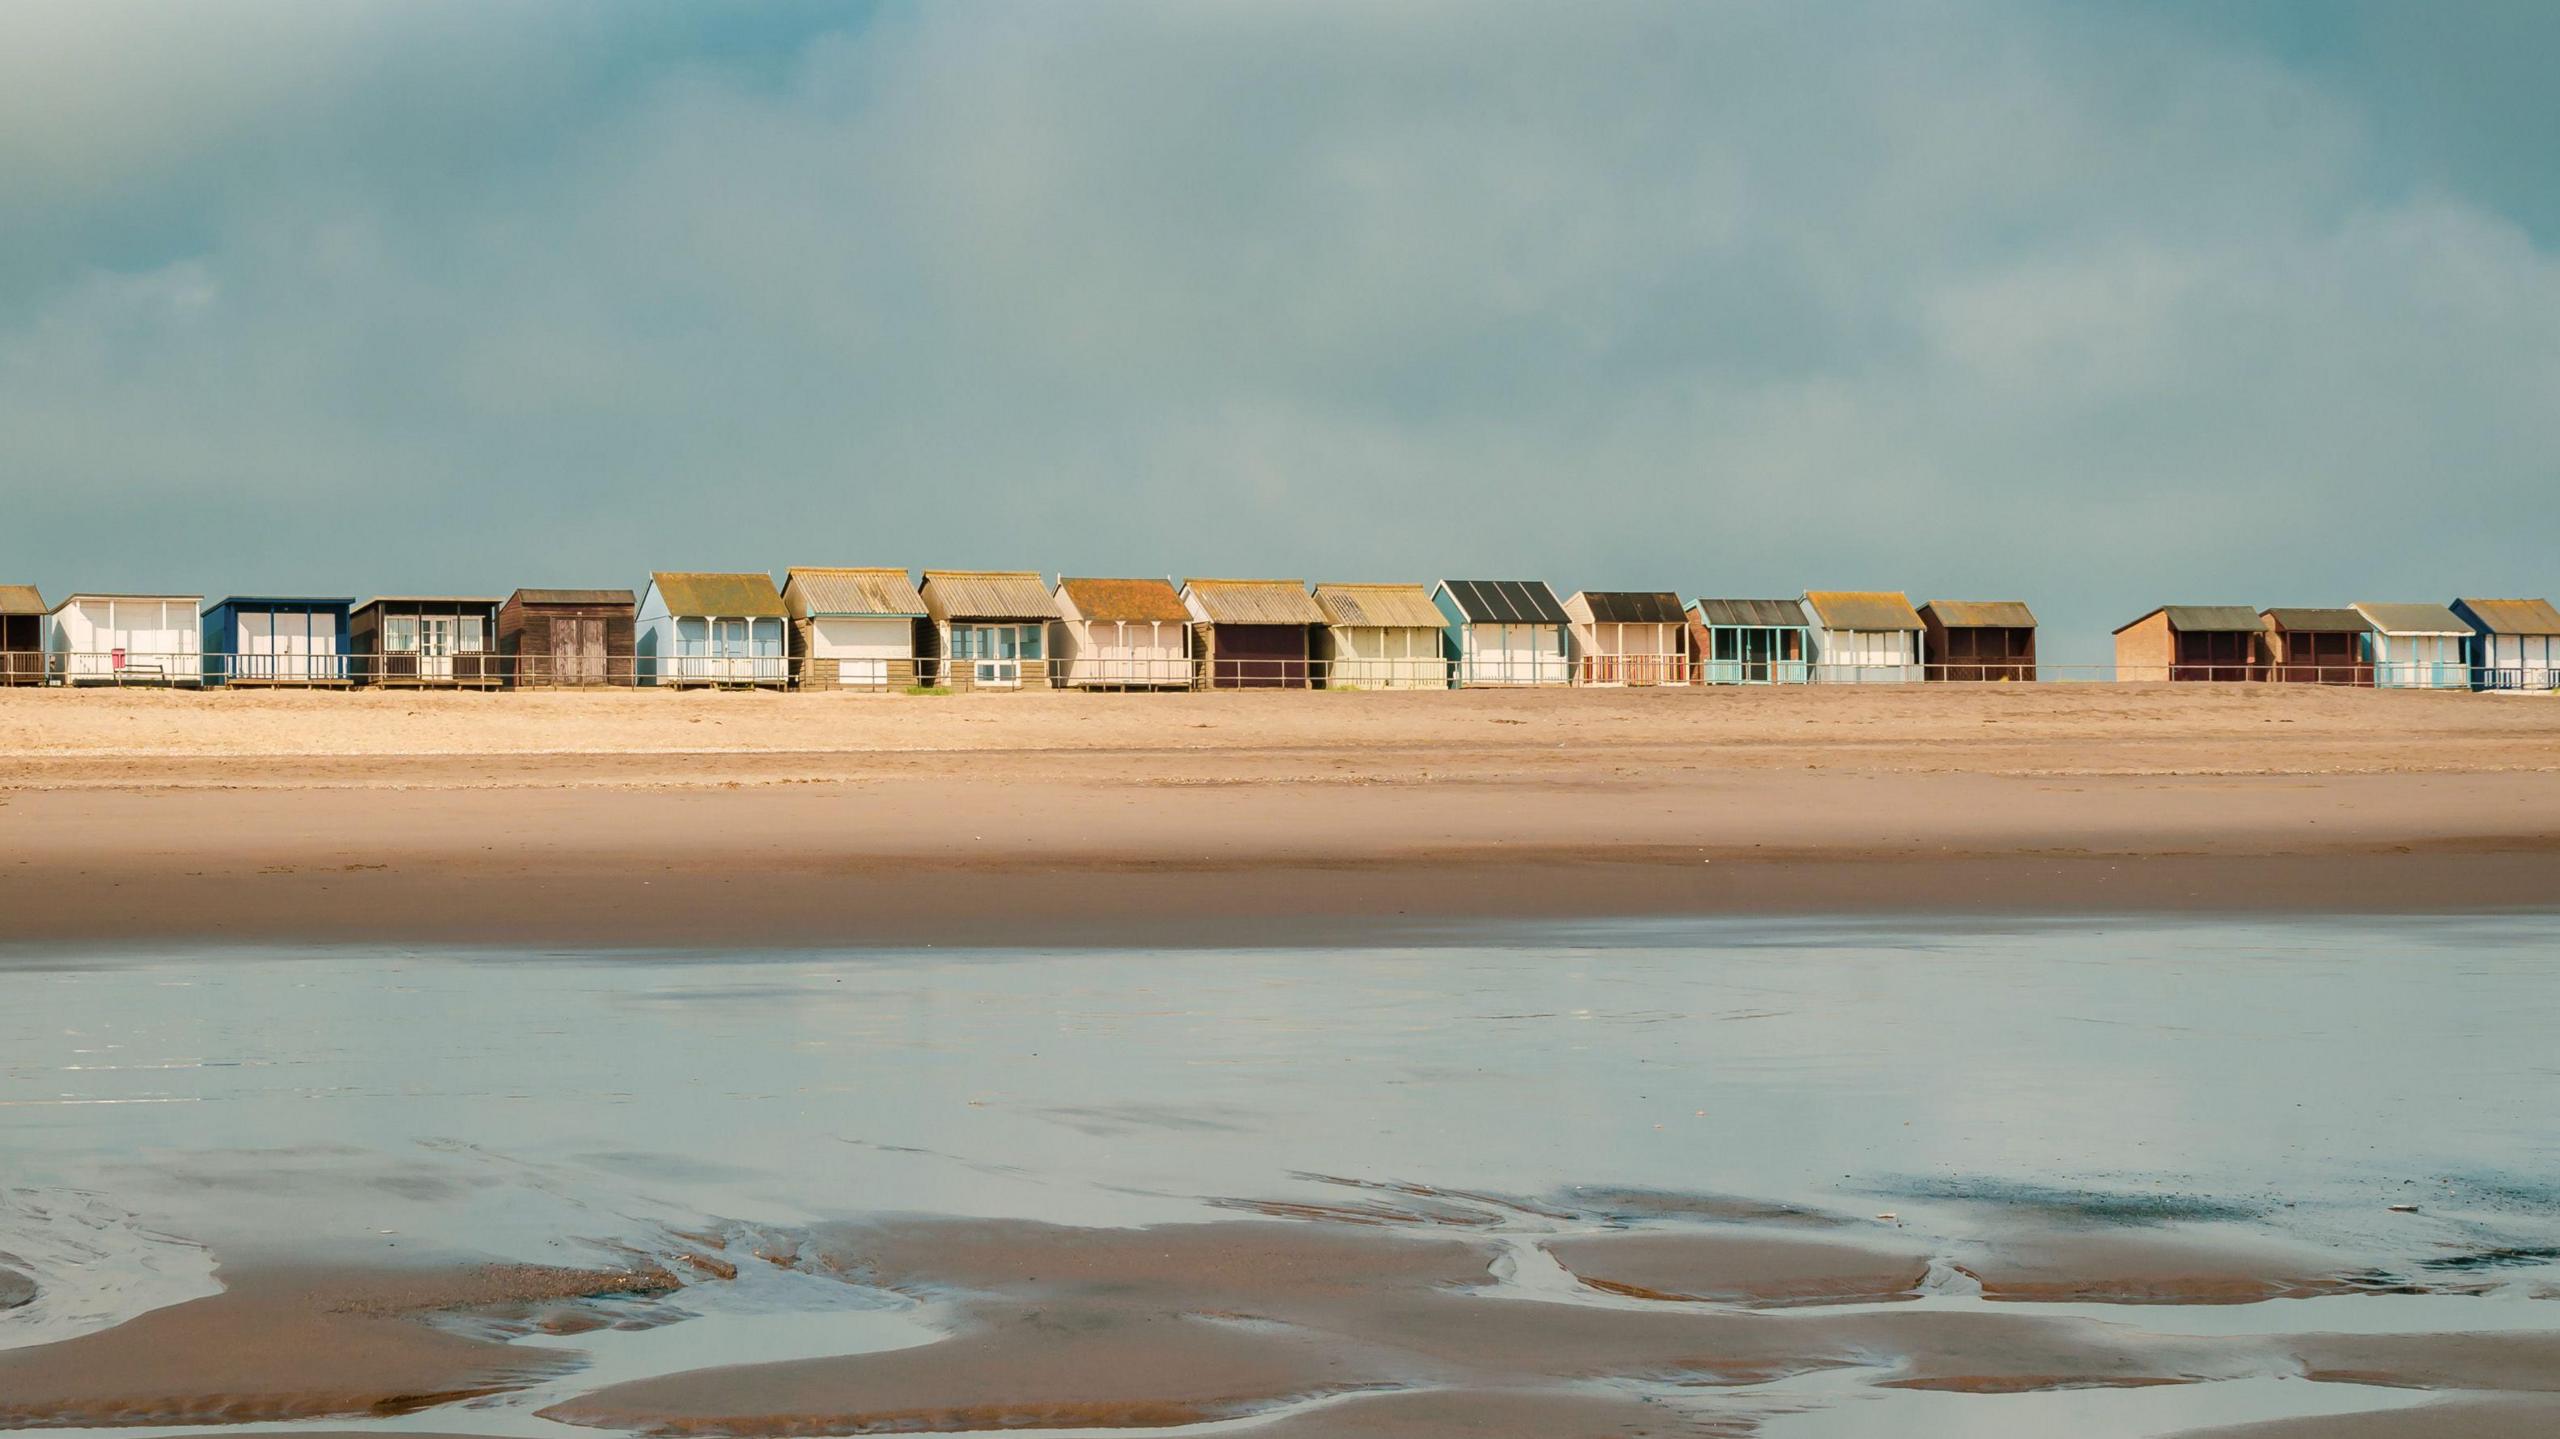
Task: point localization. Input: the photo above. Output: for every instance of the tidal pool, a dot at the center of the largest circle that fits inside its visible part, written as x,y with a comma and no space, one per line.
2384,1086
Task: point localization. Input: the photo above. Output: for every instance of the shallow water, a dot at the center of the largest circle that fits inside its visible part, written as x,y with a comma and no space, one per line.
2300,1077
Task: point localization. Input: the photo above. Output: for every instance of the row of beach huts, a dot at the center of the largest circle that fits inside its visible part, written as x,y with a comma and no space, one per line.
880,629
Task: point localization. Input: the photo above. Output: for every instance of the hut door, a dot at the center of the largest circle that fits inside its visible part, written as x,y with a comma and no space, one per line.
577,651
435,647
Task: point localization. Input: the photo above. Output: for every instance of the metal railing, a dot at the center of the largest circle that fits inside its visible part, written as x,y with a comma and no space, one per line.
489,670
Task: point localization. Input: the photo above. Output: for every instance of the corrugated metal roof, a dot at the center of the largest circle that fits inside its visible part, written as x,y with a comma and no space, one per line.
719,596
2516,617
572,597
1869,610
2319,621
1406,607
1752,614
2413,619
1128,602
2206,619
20,600
1981,614
1255,602
1633,607
837,592
989,595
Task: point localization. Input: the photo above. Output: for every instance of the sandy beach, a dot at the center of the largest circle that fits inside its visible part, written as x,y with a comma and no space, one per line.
619,819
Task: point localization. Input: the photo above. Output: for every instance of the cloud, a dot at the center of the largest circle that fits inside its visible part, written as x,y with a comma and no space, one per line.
1974,298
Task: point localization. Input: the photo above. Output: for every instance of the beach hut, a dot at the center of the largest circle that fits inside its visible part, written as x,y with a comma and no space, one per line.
1122,634
427,641
277,640
711,628
1979,640
1750,642
990,627
2417,646
1628,637
1381,637
2314,647
2190,642
1505,633
22,615
101,639
1253,634
568,638
852,629
2515,644
1863,636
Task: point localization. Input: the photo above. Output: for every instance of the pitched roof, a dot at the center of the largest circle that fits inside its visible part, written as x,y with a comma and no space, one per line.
1632,607
1750,614
2413,619
572,597
2515,617
1981,614
1863,609
1518,602
1130,602
2319,621
1380,606
1255,602
988,595
20,600
2201,619
718,596
840,593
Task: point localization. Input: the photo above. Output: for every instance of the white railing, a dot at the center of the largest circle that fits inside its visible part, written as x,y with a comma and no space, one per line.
494,670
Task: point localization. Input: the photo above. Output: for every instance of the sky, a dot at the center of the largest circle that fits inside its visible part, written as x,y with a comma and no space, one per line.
2099,306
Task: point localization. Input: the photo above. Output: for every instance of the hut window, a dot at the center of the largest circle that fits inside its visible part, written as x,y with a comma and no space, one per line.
1728,644
467,635
400,634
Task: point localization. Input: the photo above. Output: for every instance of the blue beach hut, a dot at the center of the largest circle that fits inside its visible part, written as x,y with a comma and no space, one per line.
276,640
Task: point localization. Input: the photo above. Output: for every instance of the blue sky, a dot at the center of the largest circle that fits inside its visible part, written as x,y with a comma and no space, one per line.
2094,305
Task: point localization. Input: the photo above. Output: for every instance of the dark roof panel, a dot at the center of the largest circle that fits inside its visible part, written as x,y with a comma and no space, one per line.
1752,614
1981,614
1634,607
2313,621
1517,602
2210,619
573,597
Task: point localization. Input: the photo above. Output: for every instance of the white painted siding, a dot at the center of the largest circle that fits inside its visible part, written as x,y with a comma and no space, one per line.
1866,656
862,648
1509,654
98,639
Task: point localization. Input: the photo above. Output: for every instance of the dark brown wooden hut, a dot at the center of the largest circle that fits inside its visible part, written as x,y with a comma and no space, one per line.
1979,640
567,638
22,615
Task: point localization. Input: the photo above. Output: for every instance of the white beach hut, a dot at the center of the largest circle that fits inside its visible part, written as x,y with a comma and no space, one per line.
698,628
1504,633
1864,636
126,640
1381,637
2417,647
1122,634
852,629
1629,637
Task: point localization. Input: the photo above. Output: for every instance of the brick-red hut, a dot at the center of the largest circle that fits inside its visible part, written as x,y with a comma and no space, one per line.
1979,640
2190,642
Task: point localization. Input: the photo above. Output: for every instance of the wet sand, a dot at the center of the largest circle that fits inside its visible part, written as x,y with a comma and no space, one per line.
634,820
287,1343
